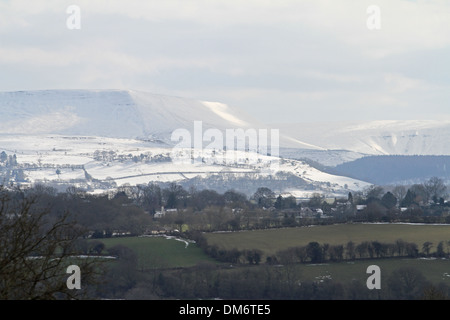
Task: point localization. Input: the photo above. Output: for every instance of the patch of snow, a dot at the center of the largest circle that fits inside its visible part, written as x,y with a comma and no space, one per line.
185,241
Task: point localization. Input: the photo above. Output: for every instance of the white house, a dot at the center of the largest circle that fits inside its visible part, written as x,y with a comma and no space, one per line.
163,212
360,207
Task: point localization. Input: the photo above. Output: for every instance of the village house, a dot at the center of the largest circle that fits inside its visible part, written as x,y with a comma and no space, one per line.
163,212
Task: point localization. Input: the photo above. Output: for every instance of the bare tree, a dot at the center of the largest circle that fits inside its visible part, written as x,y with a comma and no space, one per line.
399,192
374,192
406,283
435,189
426,247
36,250
420,192
350,250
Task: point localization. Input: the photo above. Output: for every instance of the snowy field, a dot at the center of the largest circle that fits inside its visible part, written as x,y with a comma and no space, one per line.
91,161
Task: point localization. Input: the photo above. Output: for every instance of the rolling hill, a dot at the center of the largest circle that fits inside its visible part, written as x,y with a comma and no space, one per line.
99,140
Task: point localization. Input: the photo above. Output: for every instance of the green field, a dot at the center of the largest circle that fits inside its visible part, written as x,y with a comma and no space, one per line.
272,240
436,270
159,252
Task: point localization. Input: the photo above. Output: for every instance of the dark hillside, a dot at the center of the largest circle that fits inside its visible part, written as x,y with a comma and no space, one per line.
384,170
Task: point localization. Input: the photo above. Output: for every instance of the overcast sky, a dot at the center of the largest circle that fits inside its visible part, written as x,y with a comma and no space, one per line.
280,60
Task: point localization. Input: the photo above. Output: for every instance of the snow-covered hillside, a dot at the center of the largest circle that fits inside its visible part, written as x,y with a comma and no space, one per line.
99,140
118,114
107,113
418,137
99,164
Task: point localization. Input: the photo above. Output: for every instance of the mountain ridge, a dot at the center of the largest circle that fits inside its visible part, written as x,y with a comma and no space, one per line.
388,137
118,114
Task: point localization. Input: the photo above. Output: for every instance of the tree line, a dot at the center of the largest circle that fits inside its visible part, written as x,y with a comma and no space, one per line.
208,281
315,252
131,210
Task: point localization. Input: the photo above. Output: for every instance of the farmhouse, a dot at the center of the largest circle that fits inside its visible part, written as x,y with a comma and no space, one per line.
307,212
163,212
360,207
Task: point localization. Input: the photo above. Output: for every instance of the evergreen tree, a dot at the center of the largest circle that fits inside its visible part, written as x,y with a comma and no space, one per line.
3,157
389,200
409,199
279,202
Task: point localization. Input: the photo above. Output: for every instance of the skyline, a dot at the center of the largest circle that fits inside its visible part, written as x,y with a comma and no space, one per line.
290,61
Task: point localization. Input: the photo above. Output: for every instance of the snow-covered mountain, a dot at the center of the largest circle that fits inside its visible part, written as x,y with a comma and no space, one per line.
119,114
415,137
107,113
98,140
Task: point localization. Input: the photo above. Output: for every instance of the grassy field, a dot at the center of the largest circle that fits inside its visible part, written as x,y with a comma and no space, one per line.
272,240
159,252
436,270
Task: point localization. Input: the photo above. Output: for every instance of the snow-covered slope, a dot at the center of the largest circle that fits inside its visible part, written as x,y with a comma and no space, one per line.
108,113
118,114
418,137
99,140
99,164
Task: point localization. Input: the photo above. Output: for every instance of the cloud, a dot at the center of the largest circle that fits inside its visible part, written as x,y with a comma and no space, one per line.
405,25
278,59
399,84
343,78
